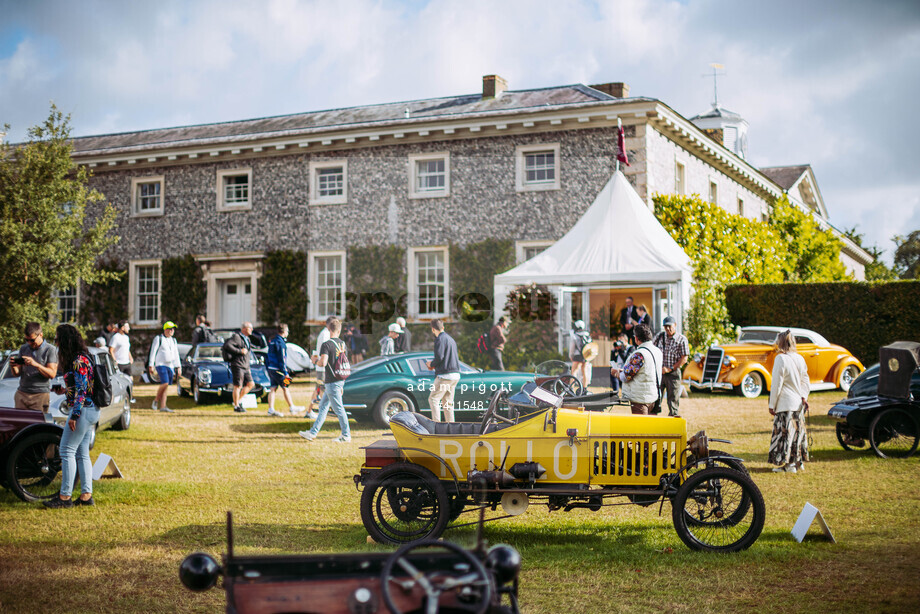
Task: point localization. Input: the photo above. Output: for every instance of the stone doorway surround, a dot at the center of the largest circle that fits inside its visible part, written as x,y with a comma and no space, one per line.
225,266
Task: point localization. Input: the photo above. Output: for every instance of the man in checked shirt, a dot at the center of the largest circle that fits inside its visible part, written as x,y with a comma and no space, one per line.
675,351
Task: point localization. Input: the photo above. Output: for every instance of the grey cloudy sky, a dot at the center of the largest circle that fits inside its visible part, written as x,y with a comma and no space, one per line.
833,84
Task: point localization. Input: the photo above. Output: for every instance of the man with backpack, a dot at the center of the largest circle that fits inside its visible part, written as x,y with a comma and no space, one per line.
164,360
238,350
276,364
333,359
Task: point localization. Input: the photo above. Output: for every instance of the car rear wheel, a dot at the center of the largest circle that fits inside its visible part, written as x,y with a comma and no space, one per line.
389,404
726,508
751,386
847,376
404,503
33,467
124,421
894,433
846,440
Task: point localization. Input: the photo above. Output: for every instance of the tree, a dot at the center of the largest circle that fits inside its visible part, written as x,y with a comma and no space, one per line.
907,255
876,270
48,239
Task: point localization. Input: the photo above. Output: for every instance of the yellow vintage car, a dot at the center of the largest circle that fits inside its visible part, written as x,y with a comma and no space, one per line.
532,449
746,366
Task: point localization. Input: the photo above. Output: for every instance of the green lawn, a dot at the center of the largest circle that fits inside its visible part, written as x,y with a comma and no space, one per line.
183,471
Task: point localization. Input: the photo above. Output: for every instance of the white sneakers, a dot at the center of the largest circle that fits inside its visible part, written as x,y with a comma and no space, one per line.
307,435
296,409
274,412
154,406
785,469
342,439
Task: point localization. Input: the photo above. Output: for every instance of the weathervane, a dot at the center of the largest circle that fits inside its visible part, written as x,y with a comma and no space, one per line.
715,86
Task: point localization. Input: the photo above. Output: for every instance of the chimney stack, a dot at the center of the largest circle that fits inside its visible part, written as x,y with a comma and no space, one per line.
616,89
493,86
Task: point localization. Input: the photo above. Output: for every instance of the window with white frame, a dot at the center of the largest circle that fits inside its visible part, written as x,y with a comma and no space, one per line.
680,178
328,182
525,250
429,175
147,196
428,280
327,274
66,300
234,188
537,167
713,192
145,292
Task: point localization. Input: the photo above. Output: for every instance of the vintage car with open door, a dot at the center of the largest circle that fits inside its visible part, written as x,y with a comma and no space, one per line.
534,448
889,420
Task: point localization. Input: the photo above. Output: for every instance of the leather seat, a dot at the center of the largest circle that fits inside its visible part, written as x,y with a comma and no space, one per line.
417,423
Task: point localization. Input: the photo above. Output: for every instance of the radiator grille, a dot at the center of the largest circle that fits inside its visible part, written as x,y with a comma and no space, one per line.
713,364
649,457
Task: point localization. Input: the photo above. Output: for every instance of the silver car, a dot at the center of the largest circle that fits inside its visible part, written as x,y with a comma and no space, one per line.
117,415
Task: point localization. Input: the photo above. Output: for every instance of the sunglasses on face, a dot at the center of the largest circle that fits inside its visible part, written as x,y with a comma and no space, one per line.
31,340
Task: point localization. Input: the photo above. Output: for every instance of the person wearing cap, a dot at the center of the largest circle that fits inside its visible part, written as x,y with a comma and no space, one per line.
403,341
388,341
164,360
580,338
675,351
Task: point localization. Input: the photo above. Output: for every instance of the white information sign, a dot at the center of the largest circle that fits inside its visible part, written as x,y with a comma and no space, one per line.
806,518
105,467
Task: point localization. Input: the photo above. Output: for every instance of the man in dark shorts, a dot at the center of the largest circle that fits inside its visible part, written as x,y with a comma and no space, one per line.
39,362
239,348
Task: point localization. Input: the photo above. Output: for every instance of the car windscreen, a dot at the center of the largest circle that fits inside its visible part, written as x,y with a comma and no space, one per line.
210,353
757,336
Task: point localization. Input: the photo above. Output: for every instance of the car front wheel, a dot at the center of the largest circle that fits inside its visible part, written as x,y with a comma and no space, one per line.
33,467
751,386
847,376
388,405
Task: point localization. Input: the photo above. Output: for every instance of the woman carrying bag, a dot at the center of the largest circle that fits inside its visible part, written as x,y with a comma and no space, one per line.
84,415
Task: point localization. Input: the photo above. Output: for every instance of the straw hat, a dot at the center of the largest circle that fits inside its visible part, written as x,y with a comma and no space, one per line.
590,351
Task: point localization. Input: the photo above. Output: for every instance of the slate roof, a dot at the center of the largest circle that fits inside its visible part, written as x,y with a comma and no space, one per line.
717,111
454,107
784,176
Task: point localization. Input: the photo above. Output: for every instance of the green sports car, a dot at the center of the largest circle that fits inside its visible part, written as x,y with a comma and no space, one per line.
381,386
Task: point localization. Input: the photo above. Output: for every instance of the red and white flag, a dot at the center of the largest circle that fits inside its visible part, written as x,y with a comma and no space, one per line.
621,146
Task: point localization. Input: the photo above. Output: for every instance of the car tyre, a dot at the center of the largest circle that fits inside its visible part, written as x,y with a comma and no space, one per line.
727,509
404,503
843,435
751,386
200,397
894,433
124,421
391,403
92,436
33,467
180,391
847,376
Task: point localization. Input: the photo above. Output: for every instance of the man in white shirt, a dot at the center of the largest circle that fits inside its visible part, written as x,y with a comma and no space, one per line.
321,338
164,360
120,348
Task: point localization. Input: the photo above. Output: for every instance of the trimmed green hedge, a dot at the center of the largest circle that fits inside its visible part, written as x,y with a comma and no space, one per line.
860,316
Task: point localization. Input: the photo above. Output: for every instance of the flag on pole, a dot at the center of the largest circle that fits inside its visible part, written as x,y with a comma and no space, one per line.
621,146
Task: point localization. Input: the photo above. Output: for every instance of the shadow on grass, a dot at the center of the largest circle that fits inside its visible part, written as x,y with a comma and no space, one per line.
279,537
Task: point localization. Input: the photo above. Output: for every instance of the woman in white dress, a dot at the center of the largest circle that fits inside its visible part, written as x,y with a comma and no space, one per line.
788,403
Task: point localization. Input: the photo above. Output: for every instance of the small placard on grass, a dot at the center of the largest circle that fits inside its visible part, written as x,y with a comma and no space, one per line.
105,467
249,401
806,518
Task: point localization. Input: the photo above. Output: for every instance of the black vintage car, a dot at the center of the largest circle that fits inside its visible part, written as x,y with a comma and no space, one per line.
30,460
426,576
889,420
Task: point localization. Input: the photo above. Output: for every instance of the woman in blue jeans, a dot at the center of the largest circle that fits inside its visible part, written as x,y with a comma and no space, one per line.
78,431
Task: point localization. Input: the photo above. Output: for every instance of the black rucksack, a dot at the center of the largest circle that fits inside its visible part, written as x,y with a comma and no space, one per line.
208,335
482,343
102,384
225,352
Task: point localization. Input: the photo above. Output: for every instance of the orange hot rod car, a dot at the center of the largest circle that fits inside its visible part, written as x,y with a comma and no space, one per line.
747,366
530,449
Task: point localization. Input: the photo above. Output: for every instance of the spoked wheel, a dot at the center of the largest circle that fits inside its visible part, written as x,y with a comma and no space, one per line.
717,459
727,510
894,434
468,579
33,468
846,441
404,503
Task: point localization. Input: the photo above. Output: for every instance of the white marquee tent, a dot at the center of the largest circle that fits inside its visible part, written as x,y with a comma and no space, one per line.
617,243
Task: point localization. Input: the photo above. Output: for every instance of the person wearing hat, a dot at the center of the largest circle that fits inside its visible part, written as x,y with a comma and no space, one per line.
578,346
164,360
388,341
675,351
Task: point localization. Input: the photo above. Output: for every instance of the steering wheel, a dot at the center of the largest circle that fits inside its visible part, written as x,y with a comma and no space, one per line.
470,580
499,399
566,386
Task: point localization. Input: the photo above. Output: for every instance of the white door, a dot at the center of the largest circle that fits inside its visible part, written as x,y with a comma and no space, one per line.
564,315
235,302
